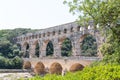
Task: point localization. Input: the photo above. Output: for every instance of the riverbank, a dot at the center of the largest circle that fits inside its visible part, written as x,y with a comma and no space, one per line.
14,76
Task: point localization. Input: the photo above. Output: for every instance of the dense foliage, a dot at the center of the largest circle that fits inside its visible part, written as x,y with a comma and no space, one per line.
49,49
89,46
66,49
9,52
106,17
14,63
107,72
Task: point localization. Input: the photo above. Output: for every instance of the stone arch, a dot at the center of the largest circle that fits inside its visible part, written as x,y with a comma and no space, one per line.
53,33
26,49
76,67
66,47
65,30
39,68
48,33
43,34
71,29
43,47
37,48
49,49
88,45
56,68
27,65
78,28
59,32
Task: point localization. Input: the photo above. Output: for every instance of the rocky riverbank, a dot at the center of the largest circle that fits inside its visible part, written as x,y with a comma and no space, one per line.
14,76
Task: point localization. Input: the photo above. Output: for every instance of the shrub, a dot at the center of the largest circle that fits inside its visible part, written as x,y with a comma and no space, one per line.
56,68
27,65
106,72
39,68
76,67
18,62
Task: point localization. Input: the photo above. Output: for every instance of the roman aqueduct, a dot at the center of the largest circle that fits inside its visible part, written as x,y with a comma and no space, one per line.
74,32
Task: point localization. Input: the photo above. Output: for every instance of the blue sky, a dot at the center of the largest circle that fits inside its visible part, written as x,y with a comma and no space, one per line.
35,14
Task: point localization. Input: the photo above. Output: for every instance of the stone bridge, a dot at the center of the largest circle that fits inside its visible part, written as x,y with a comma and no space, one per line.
74,32
65,62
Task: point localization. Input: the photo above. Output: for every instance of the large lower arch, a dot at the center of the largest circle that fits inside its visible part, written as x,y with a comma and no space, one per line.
66,48
88,45
49,49
26,50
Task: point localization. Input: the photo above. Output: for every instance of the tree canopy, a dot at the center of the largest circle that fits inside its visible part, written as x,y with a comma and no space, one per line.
105,14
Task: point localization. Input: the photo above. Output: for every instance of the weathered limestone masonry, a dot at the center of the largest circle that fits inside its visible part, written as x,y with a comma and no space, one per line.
57,34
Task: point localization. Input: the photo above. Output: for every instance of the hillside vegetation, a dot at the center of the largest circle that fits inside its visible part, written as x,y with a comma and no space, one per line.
10,54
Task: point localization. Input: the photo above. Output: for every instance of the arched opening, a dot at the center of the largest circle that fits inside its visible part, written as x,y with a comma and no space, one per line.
59,32
26,55
53,33
27,65
37,50
65,30
32,36
76,67
39,68
66,49
49,49
48,33
39,35
78,28
88,46
56,68
71,29
43,34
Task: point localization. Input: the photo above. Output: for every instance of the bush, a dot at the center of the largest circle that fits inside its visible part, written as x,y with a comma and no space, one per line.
27,65
39,68
18,62
76,67
2,62
56,68
15,63
106,72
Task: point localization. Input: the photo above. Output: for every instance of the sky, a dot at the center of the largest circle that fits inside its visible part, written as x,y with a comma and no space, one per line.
34,14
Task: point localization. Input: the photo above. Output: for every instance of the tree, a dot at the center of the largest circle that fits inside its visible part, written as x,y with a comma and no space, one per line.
66,49
89,46
49,49
106,14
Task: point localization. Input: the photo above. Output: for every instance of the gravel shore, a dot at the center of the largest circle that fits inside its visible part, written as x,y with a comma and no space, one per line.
14,76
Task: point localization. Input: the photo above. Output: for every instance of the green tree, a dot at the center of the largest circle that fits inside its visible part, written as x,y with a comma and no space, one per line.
89,46
49,49
106,14
66,49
